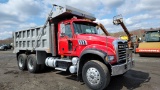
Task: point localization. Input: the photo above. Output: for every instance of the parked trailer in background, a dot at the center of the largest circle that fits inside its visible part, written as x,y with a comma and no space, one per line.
69,41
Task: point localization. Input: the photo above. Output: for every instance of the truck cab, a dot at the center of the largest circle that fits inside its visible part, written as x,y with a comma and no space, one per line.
78,35
69,42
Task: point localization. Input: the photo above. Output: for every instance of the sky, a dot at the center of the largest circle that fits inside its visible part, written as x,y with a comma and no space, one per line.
137,14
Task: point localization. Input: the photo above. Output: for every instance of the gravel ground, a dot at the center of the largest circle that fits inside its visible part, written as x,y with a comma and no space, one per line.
144,76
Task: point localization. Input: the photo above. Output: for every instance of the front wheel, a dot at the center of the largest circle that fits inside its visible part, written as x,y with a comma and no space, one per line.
96,75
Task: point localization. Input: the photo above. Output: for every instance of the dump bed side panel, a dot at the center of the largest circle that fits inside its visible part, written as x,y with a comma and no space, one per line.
33,39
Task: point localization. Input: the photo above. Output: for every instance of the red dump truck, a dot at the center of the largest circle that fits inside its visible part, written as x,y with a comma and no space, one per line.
69,41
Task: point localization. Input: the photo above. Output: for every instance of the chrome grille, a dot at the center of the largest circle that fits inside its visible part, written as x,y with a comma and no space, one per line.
122,46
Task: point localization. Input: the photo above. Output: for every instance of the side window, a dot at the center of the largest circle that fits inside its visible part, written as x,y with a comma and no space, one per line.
68,30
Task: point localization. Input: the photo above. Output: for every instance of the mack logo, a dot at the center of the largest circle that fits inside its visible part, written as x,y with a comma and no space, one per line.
121,46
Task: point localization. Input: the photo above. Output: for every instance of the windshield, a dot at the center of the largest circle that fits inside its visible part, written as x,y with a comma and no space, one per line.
152,36
85,28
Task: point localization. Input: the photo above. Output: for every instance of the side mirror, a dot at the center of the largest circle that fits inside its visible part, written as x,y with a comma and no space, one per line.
62,30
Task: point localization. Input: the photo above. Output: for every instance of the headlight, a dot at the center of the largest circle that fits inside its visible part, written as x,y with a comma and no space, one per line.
109,58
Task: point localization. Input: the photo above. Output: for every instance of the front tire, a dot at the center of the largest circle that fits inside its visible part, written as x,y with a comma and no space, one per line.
5,49
32,65
96,75
22,62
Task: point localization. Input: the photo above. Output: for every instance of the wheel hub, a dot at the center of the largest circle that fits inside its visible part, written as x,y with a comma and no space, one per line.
30,64
20,62
93,76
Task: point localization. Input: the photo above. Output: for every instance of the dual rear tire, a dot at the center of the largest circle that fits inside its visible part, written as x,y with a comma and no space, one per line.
32,65
28,62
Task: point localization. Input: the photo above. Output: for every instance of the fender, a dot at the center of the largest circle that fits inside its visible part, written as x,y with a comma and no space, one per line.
100,53
99,50
94,51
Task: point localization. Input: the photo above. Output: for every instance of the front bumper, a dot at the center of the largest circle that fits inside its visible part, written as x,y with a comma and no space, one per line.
122,68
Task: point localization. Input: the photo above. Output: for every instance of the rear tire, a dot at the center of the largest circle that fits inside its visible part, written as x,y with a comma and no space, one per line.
5,49
32,65
96,75
22,62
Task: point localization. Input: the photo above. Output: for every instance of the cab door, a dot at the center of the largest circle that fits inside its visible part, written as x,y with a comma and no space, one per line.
65,39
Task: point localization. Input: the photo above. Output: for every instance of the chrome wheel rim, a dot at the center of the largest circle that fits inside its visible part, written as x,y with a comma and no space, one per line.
30,64
20,62
93,76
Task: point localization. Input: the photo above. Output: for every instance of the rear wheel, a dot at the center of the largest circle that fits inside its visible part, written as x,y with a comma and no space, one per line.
22,62
32,65
96,75
5,49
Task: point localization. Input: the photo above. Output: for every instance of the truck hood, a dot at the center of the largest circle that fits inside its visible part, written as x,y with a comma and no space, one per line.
104,43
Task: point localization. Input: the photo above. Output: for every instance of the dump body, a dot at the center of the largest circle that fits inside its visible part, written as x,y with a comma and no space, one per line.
33,39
